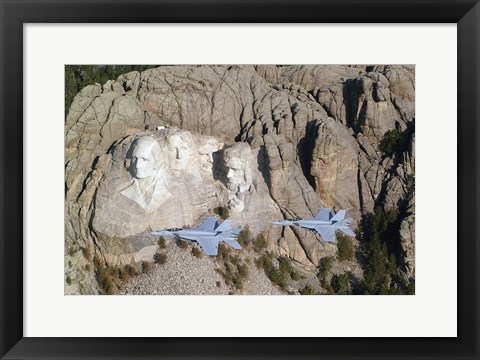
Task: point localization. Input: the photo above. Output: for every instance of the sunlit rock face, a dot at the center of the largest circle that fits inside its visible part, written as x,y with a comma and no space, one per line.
248,196
180,150
268,142
207,146
150,185
239,175
166,179
147,168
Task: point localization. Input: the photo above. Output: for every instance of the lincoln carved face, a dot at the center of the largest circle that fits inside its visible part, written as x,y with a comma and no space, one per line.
146,158
238,161
235,174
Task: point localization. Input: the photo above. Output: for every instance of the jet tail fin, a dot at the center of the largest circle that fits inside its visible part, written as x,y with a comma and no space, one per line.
324,214
228,233
348,231
344,222
234,244
339,215
224,226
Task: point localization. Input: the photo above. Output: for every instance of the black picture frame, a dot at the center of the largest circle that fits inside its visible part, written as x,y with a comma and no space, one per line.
14,14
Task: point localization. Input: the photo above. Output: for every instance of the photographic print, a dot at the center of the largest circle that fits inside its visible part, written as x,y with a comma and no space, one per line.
239,180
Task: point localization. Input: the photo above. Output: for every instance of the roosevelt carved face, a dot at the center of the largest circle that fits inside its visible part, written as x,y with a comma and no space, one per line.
146,158
179,152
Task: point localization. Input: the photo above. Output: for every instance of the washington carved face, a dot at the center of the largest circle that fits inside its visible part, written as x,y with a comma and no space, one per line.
146,158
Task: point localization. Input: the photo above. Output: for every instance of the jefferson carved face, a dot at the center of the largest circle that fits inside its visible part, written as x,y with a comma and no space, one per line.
206,155
146,158
179,151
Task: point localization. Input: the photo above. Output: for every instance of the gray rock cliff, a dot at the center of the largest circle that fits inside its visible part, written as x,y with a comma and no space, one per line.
267,142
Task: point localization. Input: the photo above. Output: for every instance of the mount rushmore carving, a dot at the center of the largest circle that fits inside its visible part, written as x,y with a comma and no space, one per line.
267,142
166,170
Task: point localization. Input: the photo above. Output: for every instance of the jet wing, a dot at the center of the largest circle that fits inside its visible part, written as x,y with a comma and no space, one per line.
327,233
324,214
208,245
209,224
226,225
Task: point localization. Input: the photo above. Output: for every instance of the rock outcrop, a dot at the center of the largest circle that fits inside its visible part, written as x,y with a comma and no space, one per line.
267,142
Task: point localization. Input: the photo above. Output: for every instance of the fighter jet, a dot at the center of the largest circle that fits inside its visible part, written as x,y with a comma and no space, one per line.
324,223
208,235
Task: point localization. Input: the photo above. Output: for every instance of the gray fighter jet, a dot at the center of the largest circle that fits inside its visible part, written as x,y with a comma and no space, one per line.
324,223
208,235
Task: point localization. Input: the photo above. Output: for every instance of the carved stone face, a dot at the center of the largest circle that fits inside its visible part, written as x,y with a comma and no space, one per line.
146,158
179,151
235,173
206,157
238,161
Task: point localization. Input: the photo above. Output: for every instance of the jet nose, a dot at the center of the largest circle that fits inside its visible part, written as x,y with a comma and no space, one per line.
283,222
160,233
